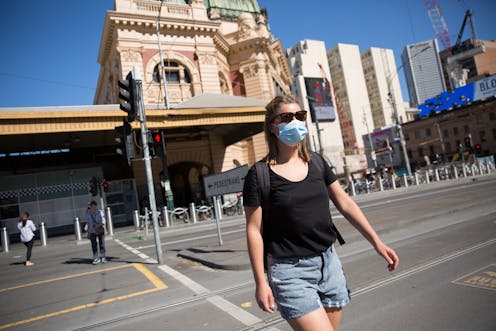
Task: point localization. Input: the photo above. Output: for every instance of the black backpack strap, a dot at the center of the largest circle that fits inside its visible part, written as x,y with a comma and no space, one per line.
263,183
319,162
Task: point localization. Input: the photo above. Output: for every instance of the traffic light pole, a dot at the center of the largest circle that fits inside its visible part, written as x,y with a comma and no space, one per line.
148,167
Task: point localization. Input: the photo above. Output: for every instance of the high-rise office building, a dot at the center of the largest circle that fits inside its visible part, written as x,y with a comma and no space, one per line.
351,98
381,79
312,85
423,71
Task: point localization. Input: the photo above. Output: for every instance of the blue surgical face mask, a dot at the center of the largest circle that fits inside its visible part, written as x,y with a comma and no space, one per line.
292,133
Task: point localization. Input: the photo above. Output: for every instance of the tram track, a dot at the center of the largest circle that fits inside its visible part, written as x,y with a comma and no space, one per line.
176,304
272,322
275,321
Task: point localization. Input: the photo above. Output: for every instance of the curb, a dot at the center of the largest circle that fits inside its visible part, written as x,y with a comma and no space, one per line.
218,258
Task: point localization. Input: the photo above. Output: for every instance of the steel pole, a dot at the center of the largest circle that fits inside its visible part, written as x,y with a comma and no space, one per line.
217,218
148,167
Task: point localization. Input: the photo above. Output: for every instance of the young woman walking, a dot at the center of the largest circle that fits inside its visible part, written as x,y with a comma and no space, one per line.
27,228
305,276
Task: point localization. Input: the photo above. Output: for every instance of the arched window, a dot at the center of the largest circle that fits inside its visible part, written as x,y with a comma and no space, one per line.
174,73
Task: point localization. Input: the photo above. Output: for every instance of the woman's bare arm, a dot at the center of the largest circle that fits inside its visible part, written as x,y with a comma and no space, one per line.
350,210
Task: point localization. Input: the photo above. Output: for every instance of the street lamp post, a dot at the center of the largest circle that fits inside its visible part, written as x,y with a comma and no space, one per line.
392,100
321,150
372,151
400,130
162,64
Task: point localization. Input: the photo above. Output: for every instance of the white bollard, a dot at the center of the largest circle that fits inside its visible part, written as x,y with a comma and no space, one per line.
427,179
405,180
455,172
136,219
5,240
353,192
110,224
43,234
165,217
192,212
416,179
436,172
77,228
381,186
146,222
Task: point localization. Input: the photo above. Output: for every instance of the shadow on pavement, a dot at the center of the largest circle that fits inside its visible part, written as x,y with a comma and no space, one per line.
78,260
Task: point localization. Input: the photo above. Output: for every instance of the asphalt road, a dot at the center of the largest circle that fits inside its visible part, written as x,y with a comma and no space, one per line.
445,236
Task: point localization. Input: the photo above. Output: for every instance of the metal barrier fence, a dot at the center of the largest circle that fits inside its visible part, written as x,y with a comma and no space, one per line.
366,186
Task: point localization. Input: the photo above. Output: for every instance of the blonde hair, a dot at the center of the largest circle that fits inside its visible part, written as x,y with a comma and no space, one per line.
270,111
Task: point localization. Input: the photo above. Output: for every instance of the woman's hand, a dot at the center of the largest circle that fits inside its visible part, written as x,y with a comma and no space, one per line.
264,298
389,255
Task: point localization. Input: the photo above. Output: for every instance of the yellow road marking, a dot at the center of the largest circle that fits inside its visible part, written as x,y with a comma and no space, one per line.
159,285
151,276
62,278
479,281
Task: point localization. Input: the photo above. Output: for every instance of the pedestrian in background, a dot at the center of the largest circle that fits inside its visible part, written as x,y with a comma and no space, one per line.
96,231
305,276
27,228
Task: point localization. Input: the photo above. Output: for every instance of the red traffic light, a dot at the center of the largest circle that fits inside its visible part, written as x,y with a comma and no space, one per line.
477,147
105,186
157,138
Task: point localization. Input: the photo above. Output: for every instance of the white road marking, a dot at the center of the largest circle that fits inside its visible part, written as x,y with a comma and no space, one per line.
236,312
191,239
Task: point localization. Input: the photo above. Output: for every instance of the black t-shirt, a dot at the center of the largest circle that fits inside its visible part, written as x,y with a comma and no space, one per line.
299,223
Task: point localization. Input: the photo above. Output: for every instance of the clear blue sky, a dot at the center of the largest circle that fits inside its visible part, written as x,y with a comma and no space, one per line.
50,47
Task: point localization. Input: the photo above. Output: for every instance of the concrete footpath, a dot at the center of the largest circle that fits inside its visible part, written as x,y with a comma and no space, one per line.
232,255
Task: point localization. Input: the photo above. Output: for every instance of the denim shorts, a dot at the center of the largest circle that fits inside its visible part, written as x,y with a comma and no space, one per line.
302,285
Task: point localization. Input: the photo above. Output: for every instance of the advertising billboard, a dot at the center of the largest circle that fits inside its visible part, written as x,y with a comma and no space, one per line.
385,146
320,99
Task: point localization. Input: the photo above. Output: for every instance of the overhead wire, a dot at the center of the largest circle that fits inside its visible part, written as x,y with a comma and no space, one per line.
8,74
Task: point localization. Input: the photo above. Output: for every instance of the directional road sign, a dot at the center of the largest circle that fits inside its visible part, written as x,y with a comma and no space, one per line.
231,181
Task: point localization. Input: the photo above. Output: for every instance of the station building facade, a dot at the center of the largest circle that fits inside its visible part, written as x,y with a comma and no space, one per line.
222,65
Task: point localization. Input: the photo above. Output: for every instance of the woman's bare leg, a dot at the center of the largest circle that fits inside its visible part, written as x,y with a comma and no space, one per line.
317,320
334,315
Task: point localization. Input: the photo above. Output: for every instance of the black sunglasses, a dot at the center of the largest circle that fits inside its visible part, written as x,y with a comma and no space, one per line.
288,117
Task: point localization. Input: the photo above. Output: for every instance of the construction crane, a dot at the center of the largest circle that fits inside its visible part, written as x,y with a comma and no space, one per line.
438,22
461,51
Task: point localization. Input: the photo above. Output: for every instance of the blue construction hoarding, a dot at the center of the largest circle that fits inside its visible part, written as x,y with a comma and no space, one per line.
463,95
